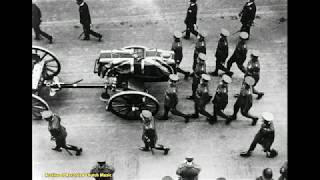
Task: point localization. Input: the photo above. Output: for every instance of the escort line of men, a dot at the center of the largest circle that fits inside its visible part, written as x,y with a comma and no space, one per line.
200,90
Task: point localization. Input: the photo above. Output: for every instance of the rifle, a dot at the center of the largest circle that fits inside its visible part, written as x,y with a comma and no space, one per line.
68,151
80,35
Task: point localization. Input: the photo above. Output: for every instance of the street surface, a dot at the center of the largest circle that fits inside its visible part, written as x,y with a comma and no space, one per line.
151,23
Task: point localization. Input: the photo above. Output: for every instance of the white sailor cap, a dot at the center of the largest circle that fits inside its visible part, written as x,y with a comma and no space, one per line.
225,32
173,77
206,77
46,114
244,35
227,79
202,56
249,80
267,116
177,34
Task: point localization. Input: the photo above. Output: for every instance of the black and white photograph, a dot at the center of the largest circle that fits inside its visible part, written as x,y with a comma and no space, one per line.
160,89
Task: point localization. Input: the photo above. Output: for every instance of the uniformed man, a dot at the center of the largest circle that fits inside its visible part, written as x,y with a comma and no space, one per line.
149,135
222,53
58,133
105,169
220,99
264,137
200,47
36,21
202,98
85,20
178,55
240,53
253,70
247,15
188,170
198,71
191,19
284,171
244,102
171,99
266,175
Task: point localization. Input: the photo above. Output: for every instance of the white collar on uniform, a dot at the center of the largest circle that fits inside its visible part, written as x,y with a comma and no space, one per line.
82,3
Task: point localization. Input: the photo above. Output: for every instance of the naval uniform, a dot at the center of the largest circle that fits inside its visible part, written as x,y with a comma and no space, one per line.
188,172
239,56
221,55
191,20
199,48
178,55
85,20
220,101
247,14
105,170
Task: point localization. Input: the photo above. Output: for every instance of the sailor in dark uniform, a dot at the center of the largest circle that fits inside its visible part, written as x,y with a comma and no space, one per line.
178,54
188,170
105,169
247,15
220,99
240,53
264,137
198,71
36,21
171,99
244,102
200,47
191,19
58,133
149,135
85,20
253,69
221,53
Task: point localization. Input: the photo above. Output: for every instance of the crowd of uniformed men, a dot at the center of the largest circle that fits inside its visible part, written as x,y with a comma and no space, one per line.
200,90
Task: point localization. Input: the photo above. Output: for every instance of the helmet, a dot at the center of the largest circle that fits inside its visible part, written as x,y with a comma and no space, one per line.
244,35
267,116
46,114
202,56
225,32
206,77
177,34
267,173
173,77
227,79
249,80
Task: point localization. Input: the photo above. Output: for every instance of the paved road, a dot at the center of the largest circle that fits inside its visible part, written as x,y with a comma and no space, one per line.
103,135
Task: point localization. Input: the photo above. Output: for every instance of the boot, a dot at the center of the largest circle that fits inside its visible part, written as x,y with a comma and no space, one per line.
144,149
260,95
212,120
254,121
186,119
166,150
194,116
186,75
50,40
57,149
104,96
190,97
231,118
79,151
245,154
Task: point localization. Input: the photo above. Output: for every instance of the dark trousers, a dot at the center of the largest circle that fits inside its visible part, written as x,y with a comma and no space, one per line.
87,31
190,28
257,140
195,56
233,59
218,112
220,65
195,84
178,69
61,143
244,111
174,111
39,32
201,108
245,28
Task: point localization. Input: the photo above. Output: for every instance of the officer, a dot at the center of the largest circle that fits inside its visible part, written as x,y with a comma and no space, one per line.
58,133
85,20
188,170
202,98
149,135
178,55
264,137
284,171
247,15
36,21
191,19
105,169
244,102
200,47
253,69
171,99
266,174
198,71
240,53
220,99
221,52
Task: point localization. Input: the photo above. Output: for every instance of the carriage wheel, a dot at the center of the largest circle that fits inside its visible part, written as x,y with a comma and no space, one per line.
51,67
38,105
129,104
